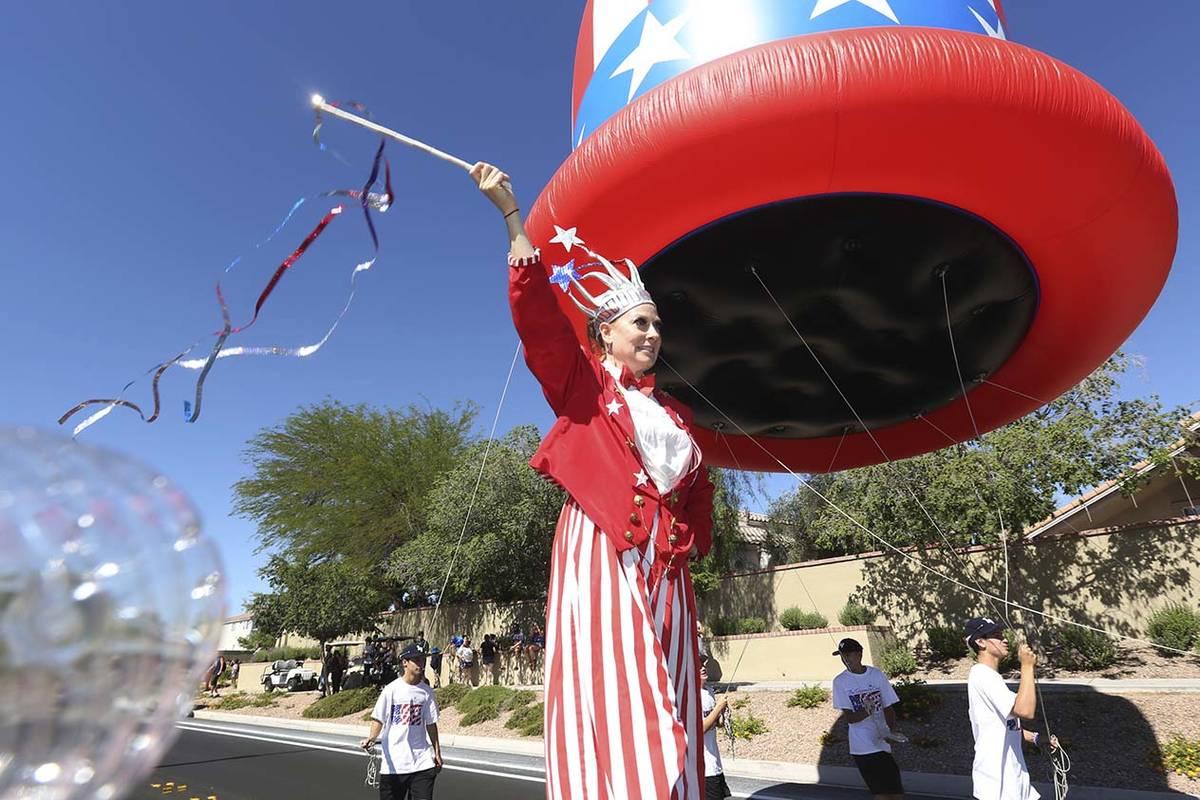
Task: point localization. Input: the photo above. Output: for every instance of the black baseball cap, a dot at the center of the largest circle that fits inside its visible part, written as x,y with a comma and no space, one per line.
848,645
411,653
982,628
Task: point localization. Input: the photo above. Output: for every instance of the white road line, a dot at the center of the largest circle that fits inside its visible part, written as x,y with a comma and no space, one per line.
352,750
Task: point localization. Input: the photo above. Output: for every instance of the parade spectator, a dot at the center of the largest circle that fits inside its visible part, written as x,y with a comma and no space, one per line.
866,697
214,675
466,662
487,657
404,723
235,669
337,669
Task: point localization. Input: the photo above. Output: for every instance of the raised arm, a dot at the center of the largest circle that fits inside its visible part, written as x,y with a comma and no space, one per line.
551,349
1025,706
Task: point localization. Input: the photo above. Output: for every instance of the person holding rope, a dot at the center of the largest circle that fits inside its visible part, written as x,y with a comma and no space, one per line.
865,697
405,716
999,771
714,710
621,616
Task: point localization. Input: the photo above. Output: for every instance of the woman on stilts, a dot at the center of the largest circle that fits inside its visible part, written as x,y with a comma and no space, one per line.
623,716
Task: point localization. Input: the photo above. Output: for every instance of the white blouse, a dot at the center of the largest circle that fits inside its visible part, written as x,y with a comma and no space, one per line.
666,448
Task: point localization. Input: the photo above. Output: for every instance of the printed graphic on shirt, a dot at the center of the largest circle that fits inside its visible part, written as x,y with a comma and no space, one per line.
870,701
407,714
1013,724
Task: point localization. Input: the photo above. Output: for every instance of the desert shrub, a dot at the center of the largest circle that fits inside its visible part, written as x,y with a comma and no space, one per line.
287,654
344,702
723,626
946,644
917,700
752,625
808,697
1176,626
854,613
1182,756
747,726
793,619
238,700
528,721
446,696
1083,649
518,699
897,659
483,703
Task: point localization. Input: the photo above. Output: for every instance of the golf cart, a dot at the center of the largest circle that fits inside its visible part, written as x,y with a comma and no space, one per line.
290,675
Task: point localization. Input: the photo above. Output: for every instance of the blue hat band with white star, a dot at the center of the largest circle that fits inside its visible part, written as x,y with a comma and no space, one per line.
671,37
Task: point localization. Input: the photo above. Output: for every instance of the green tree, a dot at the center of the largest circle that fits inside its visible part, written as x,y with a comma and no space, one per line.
996,485
505,551
322,600
347,483
269,621
730,489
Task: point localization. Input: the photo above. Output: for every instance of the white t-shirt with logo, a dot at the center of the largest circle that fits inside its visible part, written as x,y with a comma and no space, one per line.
405,710
999,771
870,690
712,753
466,655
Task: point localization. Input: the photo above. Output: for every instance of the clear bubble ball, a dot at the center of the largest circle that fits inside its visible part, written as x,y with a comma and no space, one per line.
111,603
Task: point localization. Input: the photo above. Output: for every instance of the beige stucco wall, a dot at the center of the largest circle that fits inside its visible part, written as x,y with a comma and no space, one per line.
1111,579
787,655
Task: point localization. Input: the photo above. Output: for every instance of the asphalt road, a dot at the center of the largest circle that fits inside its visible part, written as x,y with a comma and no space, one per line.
221,761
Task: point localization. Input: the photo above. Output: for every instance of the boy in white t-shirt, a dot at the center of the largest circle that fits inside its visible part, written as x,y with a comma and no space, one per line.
715,787
406,715
999,771
866,697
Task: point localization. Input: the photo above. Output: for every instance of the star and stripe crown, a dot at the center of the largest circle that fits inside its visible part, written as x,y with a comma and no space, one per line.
623,288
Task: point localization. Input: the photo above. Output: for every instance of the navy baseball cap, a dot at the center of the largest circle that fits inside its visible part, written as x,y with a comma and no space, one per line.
411,653
848,645
982,628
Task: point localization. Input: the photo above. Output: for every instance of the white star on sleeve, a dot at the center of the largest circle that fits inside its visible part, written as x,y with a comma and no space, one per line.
566,237
613,407
640,478
882,6
996,32
657,46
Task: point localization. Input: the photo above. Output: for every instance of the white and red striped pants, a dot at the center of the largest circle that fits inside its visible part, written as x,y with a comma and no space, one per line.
623,713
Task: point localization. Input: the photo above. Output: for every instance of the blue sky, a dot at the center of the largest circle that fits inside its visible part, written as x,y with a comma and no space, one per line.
146,145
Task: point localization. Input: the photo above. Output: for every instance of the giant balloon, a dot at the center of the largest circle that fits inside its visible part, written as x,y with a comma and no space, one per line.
894,172
111,601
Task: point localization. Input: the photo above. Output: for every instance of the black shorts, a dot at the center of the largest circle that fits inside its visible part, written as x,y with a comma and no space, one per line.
880,773
409,786
715,788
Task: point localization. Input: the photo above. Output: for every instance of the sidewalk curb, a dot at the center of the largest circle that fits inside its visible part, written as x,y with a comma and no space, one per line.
956,786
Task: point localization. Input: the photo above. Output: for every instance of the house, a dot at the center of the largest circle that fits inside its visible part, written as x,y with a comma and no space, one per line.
1166,496
751,550
232,629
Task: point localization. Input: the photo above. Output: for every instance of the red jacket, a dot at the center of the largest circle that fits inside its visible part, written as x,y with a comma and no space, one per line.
592,453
